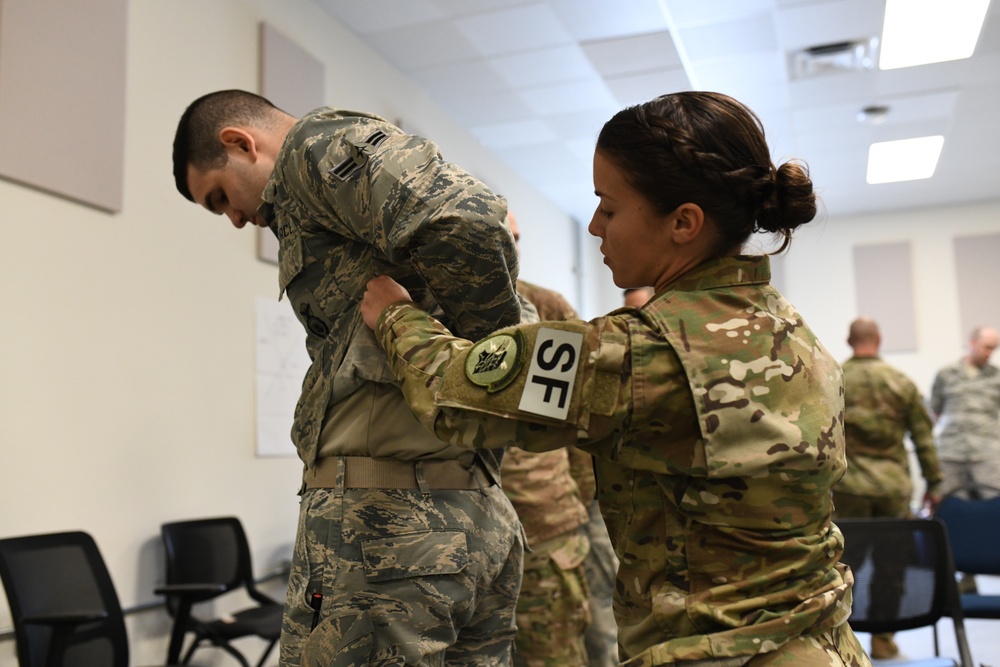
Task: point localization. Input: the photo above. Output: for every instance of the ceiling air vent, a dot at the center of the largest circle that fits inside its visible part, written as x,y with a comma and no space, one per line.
856,56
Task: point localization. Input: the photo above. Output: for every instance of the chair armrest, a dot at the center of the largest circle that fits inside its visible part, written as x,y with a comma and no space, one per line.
75,618
189,590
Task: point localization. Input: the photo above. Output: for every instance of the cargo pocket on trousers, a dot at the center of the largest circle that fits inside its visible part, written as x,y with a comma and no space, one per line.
415,555
340,641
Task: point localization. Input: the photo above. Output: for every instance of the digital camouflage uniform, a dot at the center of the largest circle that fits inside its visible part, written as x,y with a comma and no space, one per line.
967,402
552,608
881,406
402,572
716,420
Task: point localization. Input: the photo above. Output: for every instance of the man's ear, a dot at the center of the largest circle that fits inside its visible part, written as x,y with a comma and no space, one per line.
687,223
240,140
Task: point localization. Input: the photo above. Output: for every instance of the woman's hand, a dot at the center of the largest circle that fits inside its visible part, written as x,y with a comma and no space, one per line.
381,291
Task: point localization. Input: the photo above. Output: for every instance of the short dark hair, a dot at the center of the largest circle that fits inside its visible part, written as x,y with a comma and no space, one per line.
709,149
196,141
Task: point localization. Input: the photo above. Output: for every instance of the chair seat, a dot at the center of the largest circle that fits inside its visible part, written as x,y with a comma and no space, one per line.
981,606
262,621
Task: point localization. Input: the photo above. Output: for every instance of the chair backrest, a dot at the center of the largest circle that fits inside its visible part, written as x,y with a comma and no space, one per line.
904,576
972,532
909,556
208,551
55,577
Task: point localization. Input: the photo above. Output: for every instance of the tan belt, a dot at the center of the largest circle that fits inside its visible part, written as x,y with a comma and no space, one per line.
363,472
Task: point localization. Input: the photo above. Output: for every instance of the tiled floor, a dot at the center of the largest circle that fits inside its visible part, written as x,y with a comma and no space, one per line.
983,636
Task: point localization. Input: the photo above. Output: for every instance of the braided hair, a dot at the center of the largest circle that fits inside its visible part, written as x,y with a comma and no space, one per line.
709,149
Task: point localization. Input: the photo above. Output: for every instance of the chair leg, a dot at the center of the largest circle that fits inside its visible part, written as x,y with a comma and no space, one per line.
233,652
187,656
936,648
267,652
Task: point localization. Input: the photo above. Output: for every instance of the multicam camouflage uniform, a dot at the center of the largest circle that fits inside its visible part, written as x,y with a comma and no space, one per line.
716,420
407,552
881,406
967,402
552,608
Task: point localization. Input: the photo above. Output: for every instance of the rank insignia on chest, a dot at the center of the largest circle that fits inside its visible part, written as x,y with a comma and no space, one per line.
494,362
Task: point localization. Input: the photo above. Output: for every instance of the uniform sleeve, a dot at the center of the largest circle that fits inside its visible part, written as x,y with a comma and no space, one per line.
921,429
538,386
937,395
581,467
395,192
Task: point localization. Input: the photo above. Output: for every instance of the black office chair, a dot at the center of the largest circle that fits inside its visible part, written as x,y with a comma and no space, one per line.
904,578
207,558
975,545
63,602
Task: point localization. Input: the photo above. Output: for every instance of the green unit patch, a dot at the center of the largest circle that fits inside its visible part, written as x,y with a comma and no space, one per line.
495,361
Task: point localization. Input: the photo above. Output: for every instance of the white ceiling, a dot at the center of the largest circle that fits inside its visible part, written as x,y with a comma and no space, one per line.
534,80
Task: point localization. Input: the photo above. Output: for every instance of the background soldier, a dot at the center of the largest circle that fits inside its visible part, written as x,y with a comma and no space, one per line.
965,400
548,493
881,406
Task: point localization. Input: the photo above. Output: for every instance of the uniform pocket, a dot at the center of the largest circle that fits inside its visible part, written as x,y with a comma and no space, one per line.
415,555
340,641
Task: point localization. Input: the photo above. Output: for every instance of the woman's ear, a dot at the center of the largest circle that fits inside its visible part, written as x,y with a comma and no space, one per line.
240,140
686,223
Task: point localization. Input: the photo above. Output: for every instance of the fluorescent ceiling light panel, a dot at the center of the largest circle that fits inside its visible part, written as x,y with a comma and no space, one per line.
903,160
918,32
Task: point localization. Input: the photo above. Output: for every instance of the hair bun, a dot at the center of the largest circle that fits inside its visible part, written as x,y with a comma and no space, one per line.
792,201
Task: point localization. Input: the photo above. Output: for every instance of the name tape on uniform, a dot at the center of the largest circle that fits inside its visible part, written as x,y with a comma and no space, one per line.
554,361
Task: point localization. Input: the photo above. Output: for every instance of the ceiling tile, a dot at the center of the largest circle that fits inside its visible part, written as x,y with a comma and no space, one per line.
636,53
514,133
478,78
578,124
523,28
560,64
472,110
807,25
545,84
378,15
546,162
600,19
456,8
582,149
569,97
740,72
639,88
434,43
902,110
729,38
686,13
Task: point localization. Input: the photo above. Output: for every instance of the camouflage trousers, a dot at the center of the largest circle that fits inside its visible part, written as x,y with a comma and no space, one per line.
601,566
837,647
552,609
401,577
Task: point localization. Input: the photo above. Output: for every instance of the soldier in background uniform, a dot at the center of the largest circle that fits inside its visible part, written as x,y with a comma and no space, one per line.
965,400
882,406
636,297
551,492
714,414
407,550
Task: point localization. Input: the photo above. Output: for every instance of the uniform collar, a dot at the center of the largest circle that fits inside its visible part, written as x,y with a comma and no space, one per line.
725,272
